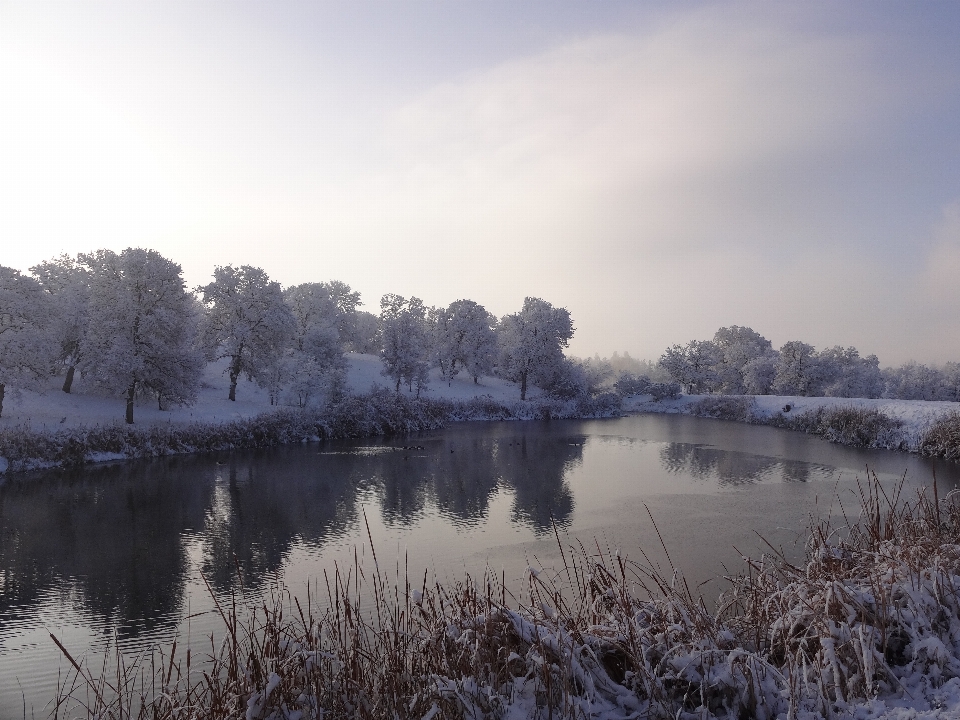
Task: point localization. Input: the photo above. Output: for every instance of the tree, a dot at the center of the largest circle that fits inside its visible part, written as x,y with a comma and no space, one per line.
67,283
843,373
367,333
26,347
463,339
404,340
796,369
694,366
737,347
314,366
759,373
950,382
912,381
532,343
142,333
247,322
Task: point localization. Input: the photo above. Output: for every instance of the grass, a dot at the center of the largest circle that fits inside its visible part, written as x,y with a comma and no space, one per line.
942,439
379,412
873,611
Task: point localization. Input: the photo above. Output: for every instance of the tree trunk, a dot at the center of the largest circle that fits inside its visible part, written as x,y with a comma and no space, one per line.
68,381
3,389
398,385
234,375
523,386
159,401
130,393
476,379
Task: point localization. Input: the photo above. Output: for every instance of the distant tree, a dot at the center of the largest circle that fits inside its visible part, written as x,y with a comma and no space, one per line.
314,366
404,340
462,338
622,364
759,373
737,347
26,346
912,381
67,283
950,382
797,369
366,337
693,366
628,385
142,334
532,343
843,373
247,322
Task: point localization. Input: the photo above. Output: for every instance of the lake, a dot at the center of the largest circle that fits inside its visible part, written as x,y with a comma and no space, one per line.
124,551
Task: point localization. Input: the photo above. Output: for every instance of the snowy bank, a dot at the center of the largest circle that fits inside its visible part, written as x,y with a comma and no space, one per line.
927,427
379,412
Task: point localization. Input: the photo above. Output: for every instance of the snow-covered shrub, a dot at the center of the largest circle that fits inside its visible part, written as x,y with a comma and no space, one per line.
856,426
942,439
724,407
664,390
628,385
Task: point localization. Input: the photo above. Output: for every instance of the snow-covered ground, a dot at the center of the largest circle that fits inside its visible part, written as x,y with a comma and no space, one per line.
916,415
55,409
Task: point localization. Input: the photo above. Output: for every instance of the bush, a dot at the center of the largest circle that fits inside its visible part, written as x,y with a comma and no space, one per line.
855,426
943,438
725,407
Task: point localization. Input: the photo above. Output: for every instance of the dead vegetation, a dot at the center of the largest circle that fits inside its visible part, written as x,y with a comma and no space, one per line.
873,612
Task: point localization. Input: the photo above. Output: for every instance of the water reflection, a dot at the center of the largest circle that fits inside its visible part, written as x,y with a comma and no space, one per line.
114,537
732,468
121,548
117,535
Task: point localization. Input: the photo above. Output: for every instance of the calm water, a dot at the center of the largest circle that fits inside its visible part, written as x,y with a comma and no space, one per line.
121,551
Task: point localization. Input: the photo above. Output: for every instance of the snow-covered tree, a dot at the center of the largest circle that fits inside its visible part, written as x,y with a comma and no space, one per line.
737,346
366,337
462,338
843,373
759,373
67,283
314,365
797,371
950,382
26,346
404,340
912,381
532,343
142,333
247,322
694,365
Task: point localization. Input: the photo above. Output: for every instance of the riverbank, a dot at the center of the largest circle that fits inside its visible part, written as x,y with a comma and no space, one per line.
929,428
868,626
53,429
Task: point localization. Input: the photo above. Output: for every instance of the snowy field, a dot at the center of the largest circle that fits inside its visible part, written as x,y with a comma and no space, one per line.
55,409
916,415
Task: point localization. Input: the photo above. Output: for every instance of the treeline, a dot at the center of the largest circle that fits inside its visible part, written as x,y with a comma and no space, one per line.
740,361
129,327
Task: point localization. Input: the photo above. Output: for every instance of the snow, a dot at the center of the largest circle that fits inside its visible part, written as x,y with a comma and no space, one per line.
54,409
916,415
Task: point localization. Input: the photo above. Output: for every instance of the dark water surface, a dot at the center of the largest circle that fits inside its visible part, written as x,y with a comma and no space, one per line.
122,551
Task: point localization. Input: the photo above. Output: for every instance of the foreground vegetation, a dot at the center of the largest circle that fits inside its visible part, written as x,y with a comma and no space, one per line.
376,413
872,614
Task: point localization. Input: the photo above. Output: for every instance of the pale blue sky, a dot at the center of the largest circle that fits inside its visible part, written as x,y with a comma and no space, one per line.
659,169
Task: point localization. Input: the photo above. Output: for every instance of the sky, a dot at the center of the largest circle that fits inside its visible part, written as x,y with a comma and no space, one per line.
659,169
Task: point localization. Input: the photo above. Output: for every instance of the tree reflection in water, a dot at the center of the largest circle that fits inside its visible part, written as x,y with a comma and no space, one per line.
730,467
